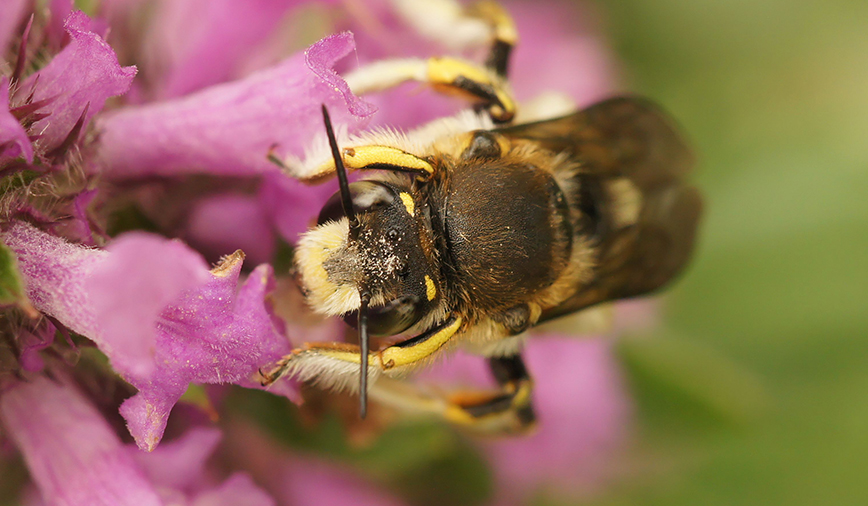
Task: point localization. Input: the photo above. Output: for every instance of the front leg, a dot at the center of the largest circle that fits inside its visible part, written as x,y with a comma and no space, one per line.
336,365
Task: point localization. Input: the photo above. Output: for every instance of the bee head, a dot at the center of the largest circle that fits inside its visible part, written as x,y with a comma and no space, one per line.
383,257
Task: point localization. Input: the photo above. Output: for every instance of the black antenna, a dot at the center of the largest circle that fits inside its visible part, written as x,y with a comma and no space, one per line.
363,345
364,297
346,198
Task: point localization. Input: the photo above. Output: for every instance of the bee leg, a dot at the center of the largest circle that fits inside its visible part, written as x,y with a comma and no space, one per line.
370,157
336,365
446,75
504,34
460,27
512,406
507,410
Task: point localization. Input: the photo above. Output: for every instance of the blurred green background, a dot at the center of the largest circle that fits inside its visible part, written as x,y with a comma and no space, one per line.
755,391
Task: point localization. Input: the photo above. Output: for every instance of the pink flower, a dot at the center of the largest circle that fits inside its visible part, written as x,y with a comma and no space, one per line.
58,101
153,307
301,479
229,129
76,459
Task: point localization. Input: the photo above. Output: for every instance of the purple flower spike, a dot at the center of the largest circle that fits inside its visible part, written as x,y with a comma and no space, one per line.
83,75
71,452
228,129
13,138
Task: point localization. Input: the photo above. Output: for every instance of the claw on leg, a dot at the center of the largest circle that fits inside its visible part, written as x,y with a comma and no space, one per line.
505,410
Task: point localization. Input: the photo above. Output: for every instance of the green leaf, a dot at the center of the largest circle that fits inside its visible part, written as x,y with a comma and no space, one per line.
11,286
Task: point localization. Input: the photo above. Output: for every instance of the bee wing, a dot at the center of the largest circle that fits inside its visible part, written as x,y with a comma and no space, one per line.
632,194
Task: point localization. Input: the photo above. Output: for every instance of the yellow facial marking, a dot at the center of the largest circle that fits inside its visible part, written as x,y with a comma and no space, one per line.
409,205
315,247
395,356
430,289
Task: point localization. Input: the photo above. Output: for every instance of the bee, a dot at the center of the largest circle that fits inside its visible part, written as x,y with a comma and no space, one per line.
471,230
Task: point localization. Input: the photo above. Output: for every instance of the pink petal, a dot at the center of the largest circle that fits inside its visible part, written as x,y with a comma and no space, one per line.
229,222
229,129
298,480
307,481
195,44
71,452
13,138
291,205
128,290
179,464
178,468
211,333
55,272
11,14
55,32
84,74
239,489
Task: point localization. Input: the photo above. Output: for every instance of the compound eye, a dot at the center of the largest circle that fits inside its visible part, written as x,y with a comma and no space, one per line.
393,318
367,196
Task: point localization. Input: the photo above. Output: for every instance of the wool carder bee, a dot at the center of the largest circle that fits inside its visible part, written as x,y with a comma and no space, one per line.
471,230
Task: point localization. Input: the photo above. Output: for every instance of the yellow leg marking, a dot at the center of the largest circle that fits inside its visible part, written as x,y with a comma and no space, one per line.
409,205
395,356
363,157
443,73
344,356
445,70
